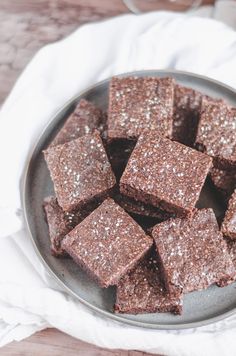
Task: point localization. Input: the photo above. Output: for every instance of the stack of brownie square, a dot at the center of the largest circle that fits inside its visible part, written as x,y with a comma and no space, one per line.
126,187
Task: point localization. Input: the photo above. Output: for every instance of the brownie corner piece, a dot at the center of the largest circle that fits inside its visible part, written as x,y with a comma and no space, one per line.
141,290
138,103
216,134
228,226
107,243
80,171
59,224
223,181
193,253
165,174
84,120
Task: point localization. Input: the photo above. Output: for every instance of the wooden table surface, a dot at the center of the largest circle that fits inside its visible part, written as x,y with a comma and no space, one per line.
25,26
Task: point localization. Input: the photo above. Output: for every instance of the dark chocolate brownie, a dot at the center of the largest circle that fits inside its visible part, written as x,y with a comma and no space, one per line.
216,133
165,174
187,106
84,120
80,171
140,103
107,243
193,252
61,222
224,181
118,152
138,208
228,226
141,291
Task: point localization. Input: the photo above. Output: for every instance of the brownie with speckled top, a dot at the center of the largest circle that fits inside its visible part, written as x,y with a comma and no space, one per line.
80,171
84,120
228,226
216,134
141,290
61,222
193,252
187,107
137,103
165,174
224,181
107,243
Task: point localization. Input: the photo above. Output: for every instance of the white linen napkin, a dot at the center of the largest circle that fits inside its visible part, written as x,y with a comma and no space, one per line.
29,298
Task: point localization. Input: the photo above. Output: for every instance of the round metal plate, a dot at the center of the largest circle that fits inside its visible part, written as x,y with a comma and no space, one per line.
200,308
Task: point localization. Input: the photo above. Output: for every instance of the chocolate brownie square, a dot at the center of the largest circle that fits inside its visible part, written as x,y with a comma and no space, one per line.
187,106
228,226
223,181
84,120
140,103
141,290
80,171
61,222
107,243
165,174
193,252
216,134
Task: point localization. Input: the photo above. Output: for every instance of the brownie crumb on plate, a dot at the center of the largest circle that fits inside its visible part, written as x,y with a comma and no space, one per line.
165,174
84,120
228,226
137,103
216,133
141,290
193,253
107,243
80,171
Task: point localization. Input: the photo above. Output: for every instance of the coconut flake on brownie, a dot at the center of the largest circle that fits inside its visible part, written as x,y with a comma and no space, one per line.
80,171
107,243
193,253
137,103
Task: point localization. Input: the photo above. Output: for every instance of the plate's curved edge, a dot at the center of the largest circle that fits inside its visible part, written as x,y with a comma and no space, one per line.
23,185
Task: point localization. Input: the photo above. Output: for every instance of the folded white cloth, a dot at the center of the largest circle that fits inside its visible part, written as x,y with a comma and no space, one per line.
29,298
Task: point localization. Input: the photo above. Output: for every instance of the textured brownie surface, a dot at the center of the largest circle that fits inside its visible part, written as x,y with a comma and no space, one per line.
107,243
165,174
187,106
141,290
224,181
80,171
61,222
136,207
140,103
228,226
231,244
84,120
193,252
216,133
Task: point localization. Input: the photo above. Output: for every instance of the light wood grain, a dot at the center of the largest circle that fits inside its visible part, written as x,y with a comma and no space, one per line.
55,343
